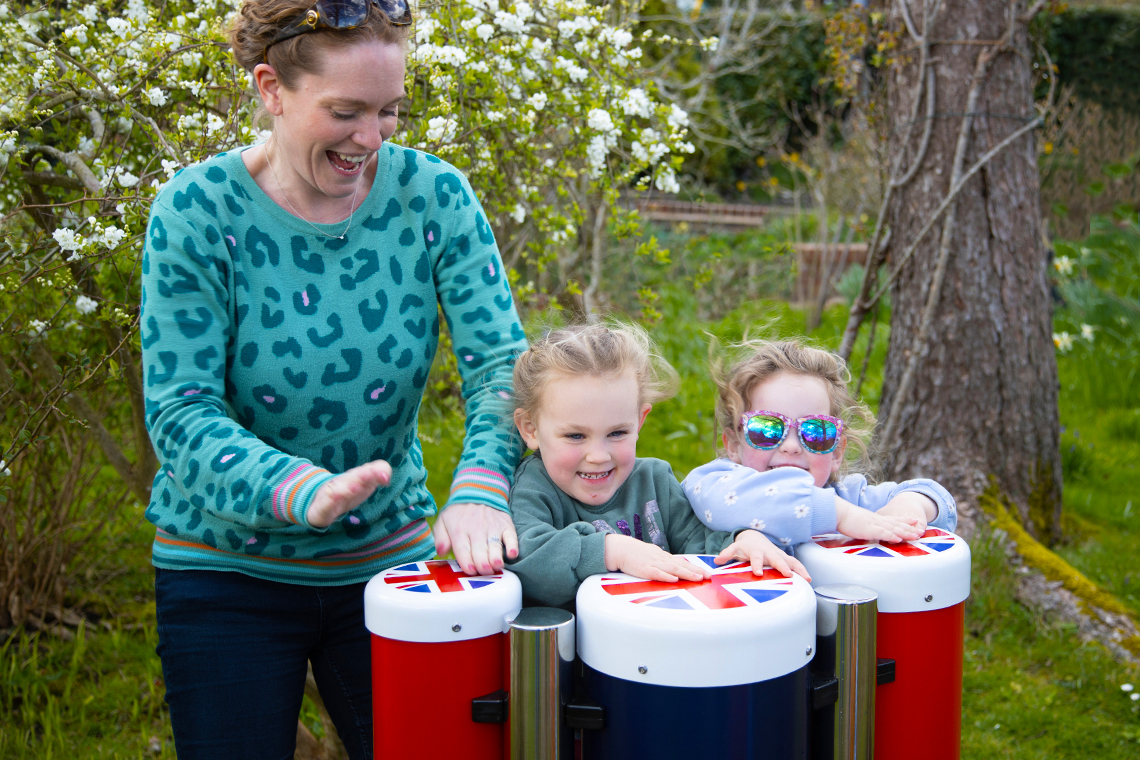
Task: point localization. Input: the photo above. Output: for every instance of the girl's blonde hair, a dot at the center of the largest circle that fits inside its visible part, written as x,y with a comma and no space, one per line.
258,22
753,362
600,350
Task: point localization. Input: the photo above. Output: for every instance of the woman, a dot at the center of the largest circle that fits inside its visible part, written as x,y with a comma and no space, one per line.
290,298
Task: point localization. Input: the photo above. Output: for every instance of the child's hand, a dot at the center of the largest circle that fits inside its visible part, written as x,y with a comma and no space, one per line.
857,522
755,547
629,555
910,505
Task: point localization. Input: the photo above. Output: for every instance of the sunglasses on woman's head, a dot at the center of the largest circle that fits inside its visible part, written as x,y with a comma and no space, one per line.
341,14
765,430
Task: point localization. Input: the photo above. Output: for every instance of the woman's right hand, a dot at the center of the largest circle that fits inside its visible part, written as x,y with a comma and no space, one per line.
347,491
856,522
644,560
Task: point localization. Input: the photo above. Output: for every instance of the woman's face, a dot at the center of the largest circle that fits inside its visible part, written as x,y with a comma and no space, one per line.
328,127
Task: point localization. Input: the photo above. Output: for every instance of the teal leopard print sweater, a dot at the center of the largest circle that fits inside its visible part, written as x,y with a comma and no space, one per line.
275,358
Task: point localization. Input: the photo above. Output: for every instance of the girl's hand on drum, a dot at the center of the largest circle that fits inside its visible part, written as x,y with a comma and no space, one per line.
910,505
857,522
644,560
478,535
347,491
753,546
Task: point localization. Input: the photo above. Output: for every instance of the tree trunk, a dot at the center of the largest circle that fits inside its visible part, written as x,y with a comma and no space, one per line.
981,399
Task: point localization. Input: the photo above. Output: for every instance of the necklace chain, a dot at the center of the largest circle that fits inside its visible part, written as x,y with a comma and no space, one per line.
296,213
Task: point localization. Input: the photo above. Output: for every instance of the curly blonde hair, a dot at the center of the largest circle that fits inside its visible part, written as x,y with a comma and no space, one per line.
750,363
600,350
258,22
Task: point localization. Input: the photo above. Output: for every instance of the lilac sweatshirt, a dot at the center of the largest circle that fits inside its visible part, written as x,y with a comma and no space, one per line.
787,506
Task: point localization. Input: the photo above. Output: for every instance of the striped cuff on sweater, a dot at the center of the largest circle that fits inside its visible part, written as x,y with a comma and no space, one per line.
478,485
292,497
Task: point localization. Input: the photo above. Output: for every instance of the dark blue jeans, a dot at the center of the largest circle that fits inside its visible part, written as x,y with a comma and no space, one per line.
234,655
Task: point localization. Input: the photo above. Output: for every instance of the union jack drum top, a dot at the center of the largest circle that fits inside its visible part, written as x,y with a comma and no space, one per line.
733,628
434,601
929,573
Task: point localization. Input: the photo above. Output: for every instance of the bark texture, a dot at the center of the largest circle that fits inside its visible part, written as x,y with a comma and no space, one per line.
983,400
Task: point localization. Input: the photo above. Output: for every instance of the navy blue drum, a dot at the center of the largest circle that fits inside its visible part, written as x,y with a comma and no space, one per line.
710,668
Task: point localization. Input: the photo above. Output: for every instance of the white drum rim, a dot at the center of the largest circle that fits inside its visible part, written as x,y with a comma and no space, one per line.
432,618
931,581
696,647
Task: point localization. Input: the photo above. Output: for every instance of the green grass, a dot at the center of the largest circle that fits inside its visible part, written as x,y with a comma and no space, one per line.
1031,688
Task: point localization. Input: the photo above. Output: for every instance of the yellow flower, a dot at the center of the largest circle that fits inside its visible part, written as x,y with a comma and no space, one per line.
740,186
761,162
1048,148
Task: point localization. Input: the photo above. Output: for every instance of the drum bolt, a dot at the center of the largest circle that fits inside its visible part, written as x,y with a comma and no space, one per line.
457,627
930,597
808,652
642,669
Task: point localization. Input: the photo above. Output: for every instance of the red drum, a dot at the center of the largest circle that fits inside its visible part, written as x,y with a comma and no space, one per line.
922,587
438,640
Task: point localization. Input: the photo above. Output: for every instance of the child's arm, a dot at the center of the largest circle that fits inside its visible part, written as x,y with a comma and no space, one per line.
920,499
783,503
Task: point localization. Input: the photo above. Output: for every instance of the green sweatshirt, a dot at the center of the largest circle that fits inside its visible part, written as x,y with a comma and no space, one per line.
276,357
562,540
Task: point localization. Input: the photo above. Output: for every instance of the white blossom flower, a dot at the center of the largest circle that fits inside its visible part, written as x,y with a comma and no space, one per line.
90,13
596,153
519,214
484,31
666,181
599,119
5,470
67,239
156,96
801,511
85,305
771,491
214,123
112,236
1064,265
441,129
730,498
757,524
537,101
636,103
677,117
1063,341
495,116
509,22
1126,687
710,44
36,328
1087,332
170,167
119,26
126,179
1135,697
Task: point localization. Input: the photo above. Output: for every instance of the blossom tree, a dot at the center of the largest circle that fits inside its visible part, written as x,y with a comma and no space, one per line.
543,105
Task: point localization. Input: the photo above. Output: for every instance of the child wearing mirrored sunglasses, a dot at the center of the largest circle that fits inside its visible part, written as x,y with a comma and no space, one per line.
584,502
788,422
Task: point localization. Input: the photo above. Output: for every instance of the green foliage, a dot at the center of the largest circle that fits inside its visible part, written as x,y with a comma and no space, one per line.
1098,324
1095,50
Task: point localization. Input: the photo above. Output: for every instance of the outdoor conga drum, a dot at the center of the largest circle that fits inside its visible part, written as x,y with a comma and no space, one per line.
922,587
438,640
716,668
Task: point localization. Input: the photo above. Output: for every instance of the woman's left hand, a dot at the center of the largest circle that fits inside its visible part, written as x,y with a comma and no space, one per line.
479,535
